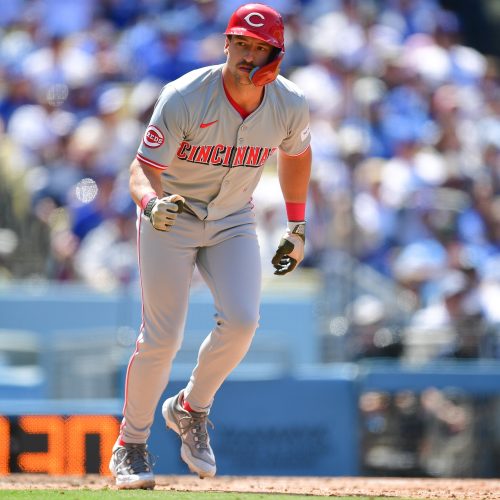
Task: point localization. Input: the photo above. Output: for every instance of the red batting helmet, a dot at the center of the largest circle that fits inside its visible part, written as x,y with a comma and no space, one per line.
260,21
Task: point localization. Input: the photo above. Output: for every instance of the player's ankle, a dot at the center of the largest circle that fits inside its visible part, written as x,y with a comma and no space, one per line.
187,406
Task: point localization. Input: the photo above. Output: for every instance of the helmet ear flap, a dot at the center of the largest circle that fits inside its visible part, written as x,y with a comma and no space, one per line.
262,75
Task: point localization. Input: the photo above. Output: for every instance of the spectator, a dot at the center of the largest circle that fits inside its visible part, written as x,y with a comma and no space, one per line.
106,258
451,327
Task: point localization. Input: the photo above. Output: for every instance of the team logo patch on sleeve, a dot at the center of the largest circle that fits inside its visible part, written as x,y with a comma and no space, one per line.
153,137
305,133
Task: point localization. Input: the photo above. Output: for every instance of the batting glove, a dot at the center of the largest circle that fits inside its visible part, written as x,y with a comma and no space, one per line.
162,212
290,251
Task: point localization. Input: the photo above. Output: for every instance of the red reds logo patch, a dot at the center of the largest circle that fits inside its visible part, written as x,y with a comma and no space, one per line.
153,137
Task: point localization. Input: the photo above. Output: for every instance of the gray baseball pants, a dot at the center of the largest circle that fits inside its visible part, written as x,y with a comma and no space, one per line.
227,255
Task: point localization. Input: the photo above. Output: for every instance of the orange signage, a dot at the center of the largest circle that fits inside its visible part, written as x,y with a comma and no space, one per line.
63,443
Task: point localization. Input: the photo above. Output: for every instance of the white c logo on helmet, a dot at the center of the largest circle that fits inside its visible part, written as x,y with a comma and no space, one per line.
255,25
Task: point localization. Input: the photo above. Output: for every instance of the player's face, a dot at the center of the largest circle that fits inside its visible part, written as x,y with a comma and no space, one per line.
244,53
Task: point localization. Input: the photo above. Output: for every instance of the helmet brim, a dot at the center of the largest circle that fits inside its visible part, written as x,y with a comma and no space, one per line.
244,32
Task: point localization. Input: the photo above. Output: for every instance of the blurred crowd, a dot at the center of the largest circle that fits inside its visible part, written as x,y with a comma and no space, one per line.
405,121
434,433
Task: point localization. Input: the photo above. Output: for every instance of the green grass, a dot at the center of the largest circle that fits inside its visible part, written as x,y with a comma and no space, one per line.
156,495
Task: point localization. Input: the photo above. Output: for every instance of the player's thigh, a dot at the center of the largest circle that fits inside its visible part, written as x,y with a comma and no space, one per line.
166,263
232,270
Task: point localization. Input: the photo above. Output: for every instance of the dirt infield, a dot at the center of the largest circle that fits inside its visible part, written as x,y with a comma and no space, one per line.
449,489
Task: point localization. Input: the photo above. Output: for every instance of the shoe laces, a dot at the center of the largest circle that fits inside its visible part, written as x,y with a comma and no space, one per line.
196,422
137,459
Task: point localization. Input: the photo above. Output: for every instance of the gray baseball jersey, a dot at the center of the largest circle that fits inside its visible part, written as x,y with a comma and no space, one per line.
207,152
214,158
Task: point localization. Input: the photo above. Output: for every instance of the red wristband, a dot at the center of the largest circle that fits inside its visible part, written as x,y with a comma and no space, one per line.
146,198
296,212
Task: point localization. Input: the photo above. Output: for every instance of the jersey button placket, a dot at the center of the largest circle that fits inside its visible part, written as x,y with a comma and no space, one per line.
211,205
240,136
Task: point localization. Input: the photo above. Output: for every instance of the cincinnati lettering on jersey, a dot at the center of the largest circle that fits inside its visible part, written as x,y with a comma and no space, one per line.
225,156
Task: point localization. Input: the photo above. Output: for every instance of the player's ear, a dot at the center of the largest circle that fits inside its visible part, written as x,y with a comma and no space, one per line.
226,45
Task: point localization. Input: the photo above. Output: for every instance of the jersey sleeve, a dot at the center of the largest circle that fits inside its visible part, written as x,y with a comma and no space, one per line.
299,132
165,131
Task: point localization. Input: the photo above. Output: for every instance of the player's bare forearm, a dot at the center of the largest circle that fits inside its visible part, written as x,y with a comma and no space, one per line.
294,173
143,180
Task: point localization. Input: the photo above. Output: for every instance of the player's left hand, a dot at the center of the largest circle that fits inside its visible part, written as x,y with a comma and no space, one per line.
290,251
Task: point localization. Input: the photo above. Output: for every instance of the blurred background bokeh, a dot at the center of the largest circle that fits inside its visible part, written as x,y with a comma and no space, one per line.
402,268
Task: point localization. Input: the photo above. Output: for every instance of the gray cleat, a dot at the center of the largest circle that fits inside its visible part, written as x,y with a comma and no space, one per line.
132,467
192,429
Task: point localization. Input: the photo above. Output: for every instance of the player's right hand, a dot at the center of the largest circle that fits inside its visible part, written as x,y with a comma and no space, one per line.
163,211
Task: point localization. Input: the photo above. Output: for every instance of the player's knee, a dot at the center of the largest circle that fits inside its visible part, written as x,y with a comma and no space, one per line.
160,343
244,322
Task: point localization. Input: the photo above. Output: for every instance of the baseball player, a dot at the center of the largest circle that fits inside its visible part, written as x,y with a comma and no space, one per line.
201,157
